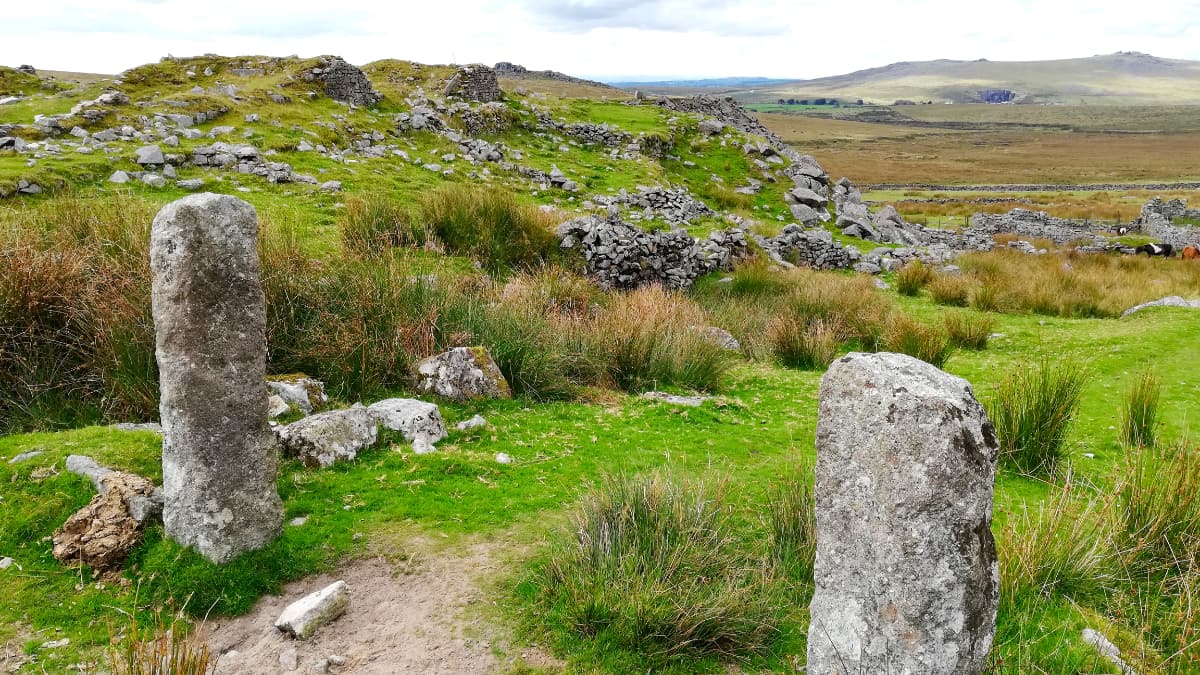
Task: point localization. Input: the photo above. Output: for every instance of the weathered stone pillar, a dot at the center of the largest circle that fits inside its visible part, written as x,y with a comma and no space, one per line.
906,574
219,456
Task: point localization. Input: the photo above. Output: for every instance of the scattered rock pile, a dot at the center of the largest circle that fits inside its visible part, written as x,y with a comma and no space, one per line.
620,255
246,159
725,110
586,132
474,83
676,206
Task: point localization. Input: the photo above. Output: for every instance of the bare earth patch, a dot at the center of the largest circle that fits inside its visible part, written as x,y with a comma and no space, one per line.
406,617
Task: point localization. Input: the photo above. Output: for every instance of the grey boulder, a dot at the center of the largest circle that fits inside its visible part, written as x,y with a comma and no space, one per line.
329,437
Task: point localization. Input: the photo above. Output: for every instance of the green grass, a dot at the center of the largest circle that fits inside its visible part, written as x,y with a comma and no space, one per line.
357,313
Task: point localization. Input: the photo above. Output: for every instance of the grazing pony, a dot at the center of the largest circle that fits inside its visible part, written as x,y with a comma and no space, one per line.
1191,252
1164,250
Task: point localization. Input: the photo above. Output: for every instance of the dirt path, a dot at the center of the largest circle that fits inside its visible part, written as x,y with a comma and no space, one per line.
406,617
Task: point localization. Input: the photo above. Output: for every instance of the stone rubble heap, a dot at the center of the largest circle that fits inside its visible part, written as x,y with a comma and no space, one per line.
586,132
675,206
622,256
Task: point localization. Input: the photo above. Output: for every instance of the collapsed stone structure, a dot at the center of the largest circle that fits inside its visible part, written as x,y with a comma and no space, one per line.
724,109
474,83
621,255
219,455
343,81
519,72
676,206
1157,219
907,578
1035,225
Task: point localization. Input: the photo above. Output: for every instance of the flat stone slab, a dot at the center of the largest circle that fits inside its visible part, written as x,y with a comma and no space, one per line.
412,418
673,399
302,618
1169,301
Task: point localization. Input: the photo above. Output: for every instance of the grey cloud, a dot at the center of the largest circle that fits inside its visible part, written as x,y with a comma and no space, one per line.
719,17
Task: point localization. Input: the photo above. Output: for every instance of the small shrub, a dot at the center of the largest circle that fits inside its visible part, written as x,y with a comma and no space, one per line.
968,331
374,223
1140,412
931,344
797,343
490,226
1032,410
791,509
950,290
652,565
912,278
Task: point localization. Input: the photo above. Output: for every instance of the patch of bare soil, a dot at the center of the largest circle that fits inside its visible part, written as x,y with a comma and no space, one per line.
414,616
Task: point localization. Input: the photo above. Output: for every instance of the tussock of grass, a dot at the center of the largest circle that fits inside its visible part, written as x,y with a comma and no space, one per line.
912,278
489,225
161,649
653,566
1140,413
646,339
1063,547
1160,508
791,511
798,343
1032,410
952,290
374,223
968,331
905,335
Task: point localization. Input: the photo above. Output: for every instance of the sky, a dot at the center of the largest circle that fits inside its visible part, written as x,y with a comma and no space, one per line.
601,39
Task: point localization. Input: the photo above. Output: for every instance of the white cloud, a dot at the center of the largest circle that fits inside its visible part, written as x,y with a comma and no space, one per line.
776,38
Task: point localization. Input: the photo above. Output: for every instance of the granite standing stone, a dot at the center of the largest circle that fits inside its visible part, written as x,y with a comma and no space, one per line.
219,456
906,573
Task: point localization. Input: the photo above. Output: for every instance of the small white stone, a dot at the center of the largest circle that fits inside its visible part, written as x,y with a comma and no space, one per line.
302,618
422,446
298,521
502,458
476,422
289,659
6,563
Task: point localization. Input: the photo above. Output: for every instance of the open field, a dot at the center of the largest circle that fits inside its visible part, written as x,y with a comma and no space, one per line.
1113,79
484,548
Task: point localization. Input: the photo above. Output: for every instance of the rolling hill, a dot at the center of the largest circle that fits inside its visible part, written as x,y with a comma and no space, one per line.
1124,78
